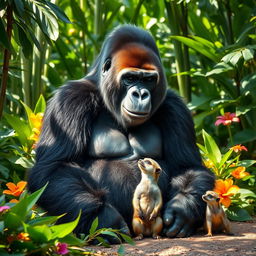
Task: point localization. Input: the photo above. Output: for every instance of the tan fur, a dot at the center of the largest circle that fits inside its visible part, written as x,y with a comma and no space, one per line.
216,219
147,201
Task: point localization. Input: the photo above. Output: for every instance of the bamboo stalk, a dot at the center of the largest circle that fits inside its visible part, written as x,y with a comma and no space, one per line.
7,56
173,20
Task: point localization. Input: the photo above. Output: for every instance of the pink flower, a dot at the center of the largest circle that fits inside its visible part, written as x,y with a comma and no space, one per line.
61,248
4,208
227,119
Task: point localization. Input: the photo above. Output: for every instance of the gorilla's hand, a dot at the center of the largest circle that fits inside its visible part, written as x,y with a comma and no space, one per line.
178,219
109,217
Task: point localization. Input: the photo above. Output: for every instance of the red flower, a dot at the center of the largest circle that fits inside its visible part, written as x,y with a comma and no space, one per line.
238,148
61,248
227,119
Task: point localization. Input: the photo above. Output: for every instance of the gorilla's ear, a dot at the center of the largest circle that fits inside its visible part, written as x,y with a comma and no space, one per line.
107,65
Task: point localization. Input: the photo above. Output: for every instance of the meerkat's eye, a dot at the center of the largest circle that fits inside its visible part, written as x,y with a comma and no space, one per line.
147,162
210,196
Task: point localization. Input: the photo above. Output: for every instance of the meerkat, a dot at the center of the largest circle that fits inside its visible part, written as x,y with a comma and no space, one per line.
147,201
216,219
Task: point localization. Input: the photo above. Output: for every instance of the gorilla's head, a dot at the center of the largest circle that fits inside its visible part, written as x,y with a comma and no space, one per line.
130,75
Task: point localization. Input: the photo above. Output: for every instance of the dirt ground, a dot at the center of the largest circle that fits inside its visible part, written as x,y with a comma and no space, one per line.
243,243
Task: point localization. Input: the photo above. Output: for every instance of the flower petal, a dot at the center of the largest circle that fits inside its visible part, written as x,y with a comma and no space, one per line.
21,185
11,186
226,201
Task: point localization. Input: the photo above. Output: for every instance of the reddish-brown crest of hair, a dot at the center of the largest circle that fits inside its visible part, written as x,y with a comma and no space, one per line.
134,56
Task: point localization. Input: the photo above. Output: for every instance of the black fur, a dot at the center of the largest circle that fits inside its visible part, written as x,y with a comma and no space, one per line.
104,187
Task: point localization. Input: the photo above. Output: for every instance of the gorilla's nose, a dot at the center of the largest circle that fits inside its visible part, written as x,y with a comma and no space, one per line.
139,95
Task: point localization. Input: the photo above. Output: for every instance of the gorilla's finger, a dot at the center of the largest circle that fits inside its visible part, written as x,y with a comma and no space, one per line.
184,232
175,228
168,217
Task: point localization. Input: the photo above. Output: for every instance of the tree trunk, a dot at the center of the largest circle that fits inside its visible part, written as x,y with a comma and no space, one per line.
7,55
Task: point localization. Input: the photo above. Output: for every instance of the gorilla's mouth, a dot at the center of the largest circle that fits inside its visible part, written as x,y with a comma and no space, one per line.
135,113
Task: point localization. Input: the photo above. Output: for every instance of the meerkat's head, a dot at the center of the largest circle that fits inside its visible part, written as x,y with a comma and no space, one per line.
211,197
150,167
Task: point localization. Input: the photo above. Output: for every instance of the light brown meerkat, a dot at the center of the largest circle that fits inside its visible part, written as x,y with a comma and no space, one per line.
147,201
216,219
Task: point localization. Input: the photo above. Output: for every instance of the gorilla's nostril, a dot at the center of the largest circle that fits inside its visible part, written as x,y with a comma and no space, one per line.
144,95
135,94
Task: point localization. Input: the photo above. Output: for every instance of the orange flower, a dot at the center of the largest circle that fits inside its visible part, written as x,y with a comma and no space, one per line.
238,148
225,189
23,236
240,172
15,190
15,201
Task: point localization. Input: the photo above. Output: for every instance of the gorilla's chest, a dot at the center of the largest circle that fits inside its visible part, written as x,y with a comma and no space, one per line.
109,141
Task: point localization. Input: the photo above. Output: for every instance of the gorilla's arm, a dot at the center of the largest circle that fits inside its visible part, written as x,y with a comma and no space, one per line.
63,142
188,178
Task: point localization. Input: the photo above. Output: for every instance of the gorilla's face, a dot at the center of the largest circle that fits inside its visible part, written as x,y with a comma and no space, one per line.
132,84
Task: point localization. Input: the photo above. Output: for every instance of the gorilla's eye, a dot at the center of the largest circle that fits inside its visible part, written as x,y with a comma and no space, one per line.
130,79
150,79
107,65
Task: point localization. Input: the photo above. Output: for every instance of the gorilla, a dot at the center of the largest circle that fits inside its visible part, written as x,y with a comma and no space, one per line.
96,129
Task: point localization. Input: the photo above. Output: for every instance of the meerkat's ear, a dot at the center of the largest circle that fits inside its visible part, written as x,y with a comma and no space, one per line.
218,199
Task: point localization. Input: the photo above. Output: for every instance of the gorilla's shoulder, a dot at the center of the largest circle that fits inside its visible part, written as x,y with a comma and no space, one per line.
77,93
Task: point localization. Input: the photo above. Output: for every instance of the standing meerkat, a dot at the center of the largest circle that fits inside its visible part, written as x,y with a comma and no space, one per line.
216,219
147,201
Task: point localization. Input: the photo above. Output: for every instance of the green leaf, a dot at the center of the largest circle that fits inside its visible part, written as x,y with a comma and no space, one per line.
225,158
4,171
25,205
21,127
247,163
40,105
127,238
25,43
25,162
244,193
3,38
102,241
72,240
58,12
28,111
244,136
20,7
94,226
40,234
109,233
199,46
121,250
61,230
234,60
247,54
12,221
213,151
238,214
44,220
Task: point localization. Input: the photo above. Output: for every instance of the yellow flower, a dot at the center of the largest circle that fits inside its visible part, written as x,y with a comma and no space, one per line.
36,120
208,163
225,189
15,190
240,172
